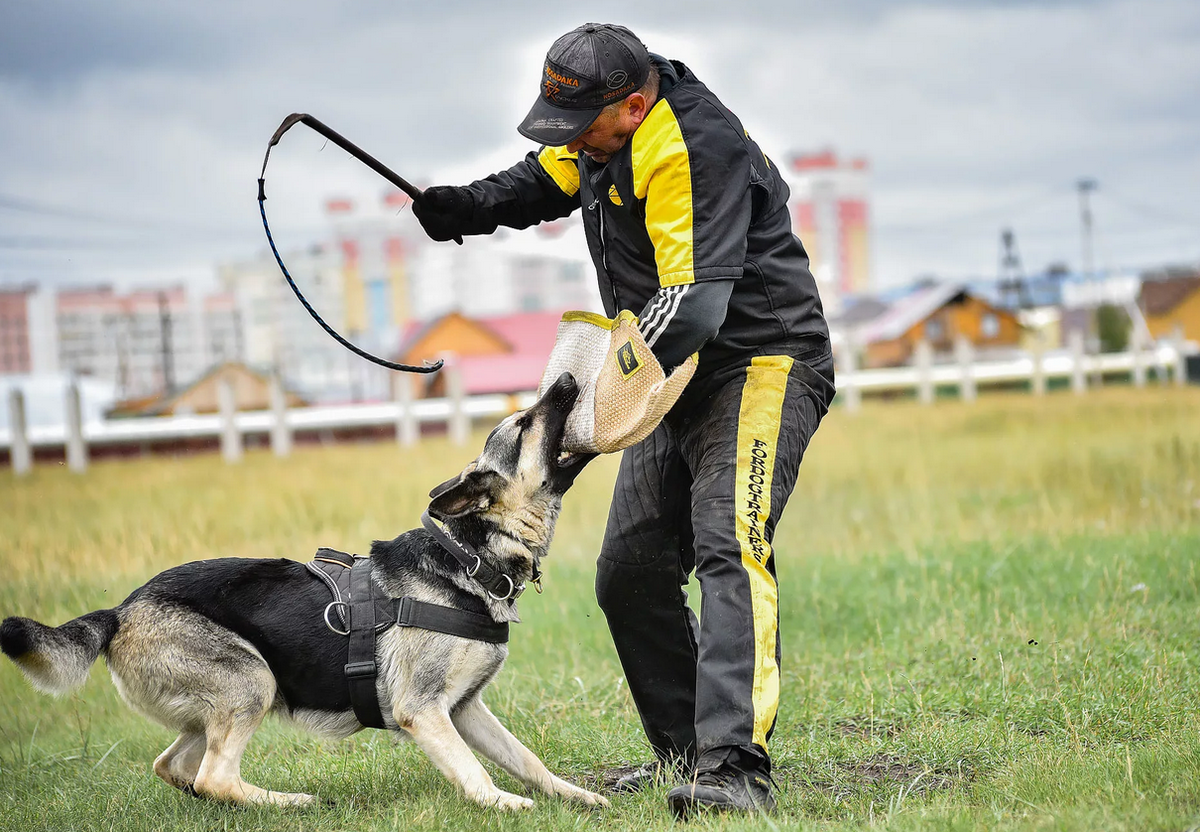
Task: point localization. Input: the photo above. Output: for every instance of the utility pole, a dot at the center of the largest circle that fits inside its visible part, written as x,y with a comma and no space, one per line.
1085,187
168,360
1012,278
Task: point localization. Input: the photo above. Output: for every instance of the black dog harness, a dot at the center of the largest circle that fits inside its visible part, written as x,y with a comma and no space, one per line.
359,613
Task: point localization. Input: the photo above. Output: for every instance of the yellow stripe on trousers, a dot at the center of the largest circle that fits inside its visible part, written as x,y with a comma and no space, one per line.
758,434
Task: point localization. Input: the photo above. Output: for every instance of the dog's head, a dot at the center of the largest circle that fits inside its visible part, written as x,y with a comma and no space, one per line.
518,481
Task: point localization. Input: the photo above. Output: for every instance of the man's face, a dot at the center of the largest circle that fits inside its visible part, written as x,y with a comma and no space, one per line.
611,130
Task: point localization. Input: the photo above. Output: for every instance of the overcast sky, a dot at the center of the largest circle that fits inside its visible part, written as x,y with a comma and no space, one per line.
132,132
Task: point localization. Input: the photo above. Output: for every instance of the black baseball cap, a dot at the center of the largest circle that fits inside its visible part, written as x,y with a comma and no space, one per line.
586,70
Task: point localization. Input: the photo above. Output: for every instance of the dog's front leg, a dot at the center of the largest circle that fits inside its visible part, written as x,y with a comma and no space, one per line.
483,732
433,730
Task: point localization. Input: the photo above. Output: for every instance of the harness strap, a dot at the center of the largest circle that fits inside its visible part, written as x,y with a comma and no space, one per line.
413,613
360,670
362,613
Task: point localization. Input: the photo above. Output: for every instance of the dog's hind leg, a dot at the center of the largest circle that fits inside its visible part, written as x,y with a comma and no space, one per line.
484,733
192,675
219,776
433,730
179,764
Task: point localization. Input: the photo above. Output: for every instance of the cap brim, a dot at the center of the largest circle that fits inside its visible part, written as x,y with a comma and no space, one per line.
554,126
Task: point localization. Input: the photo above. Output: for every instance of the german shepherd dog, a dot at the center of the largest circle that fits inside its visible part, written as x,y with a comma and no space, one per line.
209,648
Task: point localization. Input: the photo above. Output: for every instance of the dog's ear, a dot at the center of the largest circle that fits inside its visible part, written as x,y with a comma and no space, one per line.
473,491
439,490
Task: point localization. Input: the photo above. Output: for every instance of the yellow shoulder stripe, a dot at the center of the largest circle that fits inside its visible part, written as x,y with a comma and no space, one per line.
662,175
562,167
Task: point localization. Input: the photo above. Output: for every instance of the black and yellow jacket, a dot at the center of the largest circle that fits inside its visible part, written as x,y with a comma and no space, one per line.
687,224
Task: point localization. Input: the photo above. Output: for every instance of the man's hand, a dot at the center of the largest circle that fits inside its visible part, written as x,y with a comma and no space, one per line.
445,212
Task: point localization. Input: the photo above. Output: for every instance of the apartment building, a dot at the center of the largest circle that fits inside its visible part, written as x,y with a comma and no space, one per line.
830,205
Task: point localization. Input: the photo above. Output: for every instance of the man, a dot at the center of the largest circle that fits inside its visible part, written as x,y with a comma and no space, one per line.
687,223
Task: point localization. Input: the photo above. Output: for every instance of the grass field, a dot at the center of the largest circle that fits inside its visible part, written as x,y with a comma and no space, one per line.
990,619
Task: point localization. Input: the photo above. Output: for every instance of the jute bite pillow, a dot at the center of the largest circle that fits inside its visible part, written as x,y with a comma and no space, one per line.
623,391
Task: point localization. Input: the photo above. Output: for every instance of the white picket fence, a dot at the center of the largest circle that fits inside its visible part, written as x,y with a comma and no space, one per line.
456,411
1035,368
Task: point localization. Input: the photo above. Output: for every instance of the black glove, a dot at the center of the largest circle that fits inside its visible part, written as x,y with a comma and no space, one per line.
445,212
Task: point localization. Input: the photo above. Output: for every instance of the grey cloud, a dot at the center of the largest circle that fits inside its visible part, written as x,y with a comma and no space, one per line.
140,112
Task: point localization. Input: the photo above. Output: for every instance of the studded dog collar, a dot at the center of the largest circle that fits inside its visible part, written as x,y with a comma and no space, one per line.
499,585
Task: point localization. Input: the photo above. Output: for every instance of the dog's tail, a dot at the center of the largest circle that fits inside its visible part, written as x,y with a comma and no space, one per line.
56,659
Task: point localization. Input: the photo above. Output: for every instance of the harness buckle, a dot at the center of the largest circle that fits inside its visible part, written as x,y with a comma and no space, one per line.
478,563
511,589
329,624
357,670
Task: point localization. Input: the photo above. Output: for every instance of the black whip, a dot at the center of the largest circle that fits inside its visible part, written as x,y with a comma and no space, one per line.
373,164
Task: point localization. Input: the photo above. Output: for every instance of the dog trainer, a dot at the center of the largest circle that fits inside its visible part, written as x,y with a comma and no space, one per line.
688,226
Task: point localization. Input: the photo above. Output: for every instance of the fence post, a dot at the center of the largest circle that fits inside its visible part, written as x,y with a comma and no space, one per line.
1078,376
1180,368
924,372
407,431
1139,357
281,433
848,382
231,440
964,352
21,453
459,424
77,453
1038,356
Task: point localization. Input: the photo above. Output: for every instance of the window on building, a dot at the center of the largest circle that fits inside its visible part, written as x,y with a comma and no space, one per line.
935,329
989,326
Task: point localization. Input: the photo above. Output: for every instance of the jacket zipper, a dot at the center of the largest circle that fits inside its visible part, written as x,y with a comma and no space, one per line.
603,251
612,289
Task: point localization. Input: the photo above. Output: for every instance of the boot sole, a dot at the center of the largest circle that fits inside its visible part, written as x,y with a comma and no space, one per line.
684,806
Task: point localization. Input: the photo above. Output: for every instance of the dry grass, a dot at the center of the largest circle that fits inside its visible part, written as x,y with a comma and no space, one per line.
988,613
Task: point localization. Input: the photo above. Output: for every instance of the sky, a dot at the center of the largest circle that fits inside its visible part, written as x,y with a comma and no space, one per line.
132,132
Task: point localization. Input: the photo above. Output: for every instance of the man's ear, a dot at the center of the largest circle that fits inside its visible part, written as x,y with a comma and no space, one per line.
474,491
639,107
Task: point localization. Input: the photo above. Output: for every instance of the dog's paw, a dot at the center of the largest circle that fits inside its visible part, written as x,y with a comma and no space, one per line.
294,799
508,802
593,799
569,791
586,798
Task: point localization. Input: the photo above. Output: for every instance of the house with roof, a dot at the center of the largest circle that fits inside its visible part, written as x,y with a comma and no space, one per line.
504,354
251,391
938,313
1172,303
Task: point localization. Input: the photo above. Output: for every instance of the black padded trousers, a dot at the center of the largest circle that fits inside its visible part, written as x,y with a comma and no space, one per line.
704,492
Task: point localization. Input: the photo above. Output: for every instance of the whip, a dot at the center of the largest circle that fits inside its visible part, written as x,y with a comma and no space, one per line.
375,165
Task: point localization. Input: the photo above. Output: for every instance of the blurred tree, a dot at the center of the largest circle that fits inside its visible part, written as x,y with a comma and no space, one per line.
1112,327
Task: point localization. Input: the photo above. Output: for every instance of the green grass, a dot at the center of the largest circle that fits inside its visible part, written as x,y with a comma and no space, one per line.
989,618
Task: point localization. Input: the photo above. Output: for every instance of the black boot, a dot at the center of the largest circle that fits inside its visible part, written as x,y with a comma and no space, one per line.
655,773
726,782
